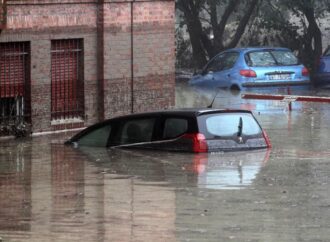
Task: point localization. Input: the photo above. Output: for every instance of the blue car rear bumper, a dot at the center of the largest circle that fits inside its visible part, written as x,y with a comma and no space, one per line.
279,83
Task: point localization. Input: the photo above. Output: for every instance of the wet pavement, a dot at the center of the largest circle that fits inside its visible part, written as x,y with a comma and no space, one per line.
50,192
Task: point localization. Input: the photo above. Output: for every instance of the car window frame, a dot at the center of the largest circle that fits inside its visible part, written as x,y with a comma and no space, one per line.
327,52
206,69
119,126
90,129
164,127
191,128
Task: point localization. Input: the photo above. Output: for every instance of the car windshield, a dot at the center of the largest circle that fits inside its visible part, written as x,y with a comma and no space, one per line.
97,137
271,58
327,53
229,124
222,62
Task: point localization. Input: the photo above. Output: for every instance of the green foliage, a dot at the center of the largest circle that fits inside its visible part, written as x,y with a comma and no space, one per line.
288,23
183,51
214,25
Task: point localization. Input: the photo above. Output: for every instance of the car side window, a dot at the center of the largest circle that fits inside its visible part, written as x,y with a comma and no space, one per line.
223,62
174,127
136,131
327,52
97,137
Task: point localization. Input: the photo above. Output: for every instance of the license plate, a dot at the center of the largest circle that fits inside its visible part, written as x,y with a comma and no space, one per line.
280,77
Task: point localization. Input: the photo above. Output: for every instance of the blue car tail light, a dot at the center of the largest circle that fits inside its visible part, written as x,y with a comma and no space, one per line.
305,72
248,73
198,141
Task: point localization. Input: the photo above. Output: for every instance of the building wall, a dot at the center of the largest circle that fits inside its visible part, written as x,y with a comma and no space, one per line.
146,47
153,56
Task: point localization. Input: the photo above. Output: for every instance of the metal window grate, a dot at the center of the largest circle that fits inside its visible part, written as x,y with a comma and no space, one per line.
67,79
3,14
14,85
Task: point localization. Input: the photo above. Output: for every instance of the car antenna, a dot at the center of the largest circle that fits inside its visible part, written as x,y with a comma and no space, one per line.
216,94
240,127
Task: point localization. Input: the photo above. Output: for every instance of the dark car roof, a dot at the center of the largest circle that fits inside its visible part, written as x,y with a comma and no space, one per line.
184,112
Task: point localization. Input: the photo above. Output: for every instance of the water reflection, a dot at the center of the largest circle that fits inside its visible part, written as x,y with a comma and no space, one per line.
15,188
67,188
106,195
187,96
60,194
49,192
228,170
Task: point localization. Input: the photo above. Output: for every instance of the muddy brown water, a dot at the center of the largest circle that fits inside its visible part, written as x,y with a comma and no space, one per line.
50,192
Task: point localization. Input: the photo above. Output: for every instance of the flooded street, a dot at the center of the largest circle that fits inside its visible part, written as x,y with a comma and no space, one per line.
51,192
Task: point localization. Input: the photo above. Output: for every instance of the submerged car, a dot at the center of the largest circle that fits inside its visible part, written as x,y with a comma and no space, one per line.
322,73
190,130
240,68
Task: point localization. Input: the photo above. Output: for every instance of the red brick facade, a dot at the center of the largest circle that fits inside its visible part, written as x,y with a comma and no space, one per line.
128,54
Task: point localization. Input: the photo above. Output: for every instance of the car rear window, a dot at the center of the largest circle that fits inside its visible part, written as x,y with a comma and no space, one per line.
228,124
271,58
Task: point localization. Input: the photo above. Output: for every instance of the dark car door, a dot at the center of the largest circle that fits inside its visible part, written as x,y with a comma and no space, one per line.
171,130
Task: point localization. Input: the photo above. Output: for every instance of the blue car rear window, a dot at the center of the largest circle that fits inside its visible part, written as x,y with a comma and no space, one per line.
271,58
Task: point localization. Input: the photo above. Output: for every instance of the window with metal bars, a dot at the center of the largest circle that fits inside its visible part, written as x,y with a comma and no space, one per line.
15,84
3,14
67,79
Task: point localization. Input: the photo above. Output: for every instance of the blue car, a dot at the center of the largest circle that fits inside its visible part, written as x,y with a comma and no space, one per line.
240,68
322,73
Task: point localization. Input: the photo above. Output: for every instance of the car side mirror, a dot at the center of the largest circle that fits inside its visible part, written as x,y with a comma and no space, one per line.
198,72
205,72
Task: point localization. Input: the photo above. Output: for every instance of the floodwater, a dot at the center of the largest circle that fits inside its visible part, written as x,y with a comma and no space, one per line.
51,192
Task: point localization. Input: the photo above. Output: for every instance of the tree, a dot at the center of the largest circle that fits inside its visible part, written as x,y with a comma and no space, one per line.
224,20
289,23
294,24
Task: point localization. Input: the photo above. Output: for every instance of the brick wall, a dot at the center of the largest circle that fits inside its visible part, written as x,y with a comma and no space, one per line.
3,15
152,58
153,55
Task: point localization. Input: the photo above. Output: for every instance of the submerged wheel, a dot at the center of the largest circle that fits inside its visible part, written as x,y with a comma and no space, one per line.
235,89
